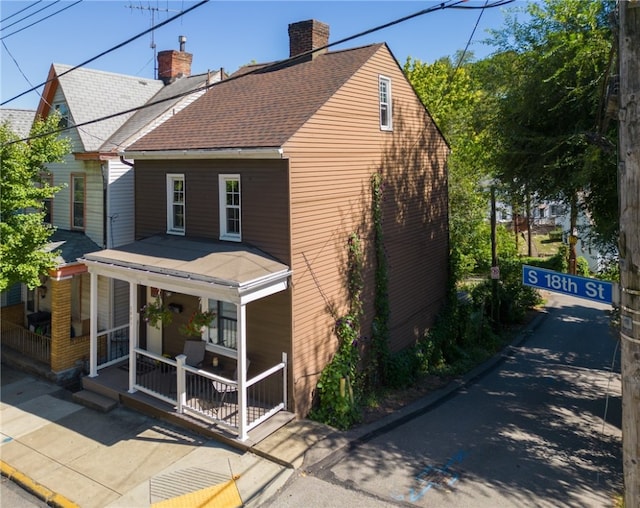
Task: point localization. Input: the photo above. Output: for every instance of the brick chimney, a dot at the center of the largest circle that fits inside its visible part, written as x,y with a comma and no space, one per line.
307,35
173,64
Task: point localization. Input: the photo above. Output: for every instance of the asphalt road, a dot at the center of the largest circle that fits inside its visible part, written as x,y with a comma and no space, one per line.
542,429
14,496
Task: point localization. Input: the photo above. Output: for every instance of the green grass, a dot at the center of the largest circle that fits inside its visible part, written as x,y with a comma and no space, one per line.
542,246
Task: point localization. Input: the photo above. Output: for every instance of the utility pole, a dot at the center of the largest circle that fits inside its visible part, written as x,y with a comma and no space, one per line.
629,243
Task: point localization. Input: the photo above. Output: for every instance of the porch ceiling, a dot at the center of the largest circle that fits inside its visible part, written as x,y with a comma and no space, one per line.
185,261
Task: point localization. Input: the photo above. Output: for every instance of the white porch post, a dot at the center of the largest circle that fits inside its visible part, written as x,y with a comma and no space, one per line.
133,333
93,325
181,384
242,370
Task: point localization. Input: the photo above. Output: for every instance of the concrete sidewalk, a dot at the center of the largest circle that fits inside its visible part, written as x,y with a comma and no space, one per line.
70,455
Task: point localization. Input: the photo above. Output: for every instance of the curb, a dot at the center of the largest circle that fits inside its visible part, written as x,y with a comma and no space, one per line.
40,491
361,436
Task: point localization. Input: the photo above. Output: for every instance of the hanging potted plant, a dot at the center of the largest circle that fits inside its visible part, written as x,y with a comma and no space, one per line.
156,314
198,322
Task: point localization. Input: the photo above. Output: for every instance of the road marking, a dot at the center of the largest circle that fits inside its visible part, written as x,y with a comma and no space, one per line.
432,477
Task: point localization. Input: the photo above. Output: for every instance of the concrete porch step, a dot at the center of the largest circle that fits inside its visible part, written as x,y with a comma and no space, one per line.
94,400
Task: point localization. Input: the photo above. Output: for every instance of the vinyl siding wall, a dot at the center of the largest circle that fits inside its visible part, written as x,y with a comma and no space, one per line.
94,226
120,204
62,173
332,160
264,205
265,222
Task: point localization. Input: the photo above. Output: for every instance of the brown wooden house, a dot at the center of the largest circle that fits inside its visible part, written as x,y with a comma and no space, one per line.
244,204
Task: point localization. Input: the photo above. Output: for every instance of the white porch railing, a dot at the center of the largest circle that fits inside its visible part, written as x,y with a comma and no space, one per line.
193,390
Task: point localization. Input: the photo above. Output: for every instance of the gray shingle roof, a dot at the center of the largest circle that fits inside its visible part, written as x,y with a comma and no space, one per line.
19,120
145,117
71,246
261,109
92,94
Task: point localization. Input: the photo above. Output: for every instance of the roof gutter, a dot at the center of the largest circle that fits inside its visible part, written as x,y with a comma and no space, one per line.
224,153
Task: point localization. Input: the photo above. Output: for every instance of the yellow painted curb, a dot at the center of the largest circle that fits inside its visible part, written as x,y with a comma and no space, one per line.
225,495
40,491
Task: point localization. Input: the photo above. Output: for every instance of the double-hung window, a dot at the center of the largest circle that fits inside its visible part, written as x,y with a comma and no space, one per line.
229,199
384,89
77,201
223,331
175,204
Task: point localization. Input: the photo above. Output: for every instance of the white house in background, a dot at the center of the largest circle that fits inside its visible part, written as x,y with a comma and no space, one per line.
95,208
556,214
543,213
584,248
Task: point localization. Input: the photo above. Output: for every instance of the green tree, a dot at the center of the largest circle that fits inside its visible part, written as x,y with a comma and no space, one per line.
454,101
551,137
23,189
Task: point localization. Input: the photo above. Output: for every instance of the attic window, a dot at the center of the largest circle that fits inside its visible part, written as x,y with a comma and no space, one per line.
63,110
384,88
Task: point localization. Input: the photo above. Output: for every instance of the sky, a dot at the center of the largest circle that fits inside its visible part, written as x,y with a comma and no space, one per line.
220,34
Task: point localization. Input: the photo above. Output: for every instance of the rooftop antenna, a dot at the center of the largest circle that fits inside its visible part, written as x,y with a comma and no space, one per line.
153,11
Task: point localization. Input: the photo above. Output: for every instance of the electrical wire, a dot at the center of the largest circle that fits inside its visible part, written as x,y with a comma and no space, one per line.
17,64
462,55
131,39
21,10
47,6
261,69
41,96
42,19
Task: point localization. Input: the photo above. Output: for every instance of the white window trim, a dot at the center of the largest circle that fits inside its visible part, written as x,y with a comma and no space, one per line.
389,125
222,201
216,348
83,178
171,228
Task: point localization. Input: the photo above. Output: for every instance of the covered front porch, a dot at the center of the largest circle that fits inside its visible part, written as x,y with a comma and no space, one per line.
214,275
203,411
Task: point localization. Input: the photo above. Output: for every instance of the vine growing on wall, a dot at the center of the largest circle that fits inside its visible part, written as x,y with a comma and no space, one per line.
339,384
379,352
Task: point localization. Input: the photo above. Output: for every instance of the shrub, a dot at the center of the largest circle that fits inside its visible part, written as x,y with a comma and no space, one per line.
513,298
555,235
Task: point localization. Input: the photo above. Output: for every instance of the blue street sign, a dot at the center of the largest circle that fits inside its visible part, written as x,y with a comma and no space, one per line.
582,287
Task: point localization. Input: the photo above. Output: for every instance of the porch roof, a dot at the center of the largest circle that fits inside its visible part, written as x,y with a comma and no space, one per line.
191,263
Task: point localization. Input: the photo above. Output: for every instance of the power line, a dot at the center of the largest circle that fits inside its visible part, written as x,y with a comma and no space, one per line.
21,10
107,51
42,19
49,4
17,64
41,97
264,68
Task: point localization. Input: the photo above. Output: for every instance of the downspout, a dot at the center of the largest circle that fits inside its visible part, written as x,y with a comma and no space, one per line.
104,170
125,161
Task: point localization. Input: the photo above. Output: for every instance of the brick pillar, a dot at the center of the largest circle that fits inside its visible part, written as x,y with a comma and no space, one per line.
61,325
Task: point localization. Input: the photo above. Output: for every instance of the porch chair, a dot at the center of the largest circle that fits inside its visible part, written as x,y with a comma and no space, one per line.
194,350
224,389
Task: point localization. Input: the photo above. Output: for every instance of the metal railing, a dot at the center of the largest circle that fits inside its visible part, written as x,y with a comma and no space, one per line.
156,376
211,396
24,341
113,345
